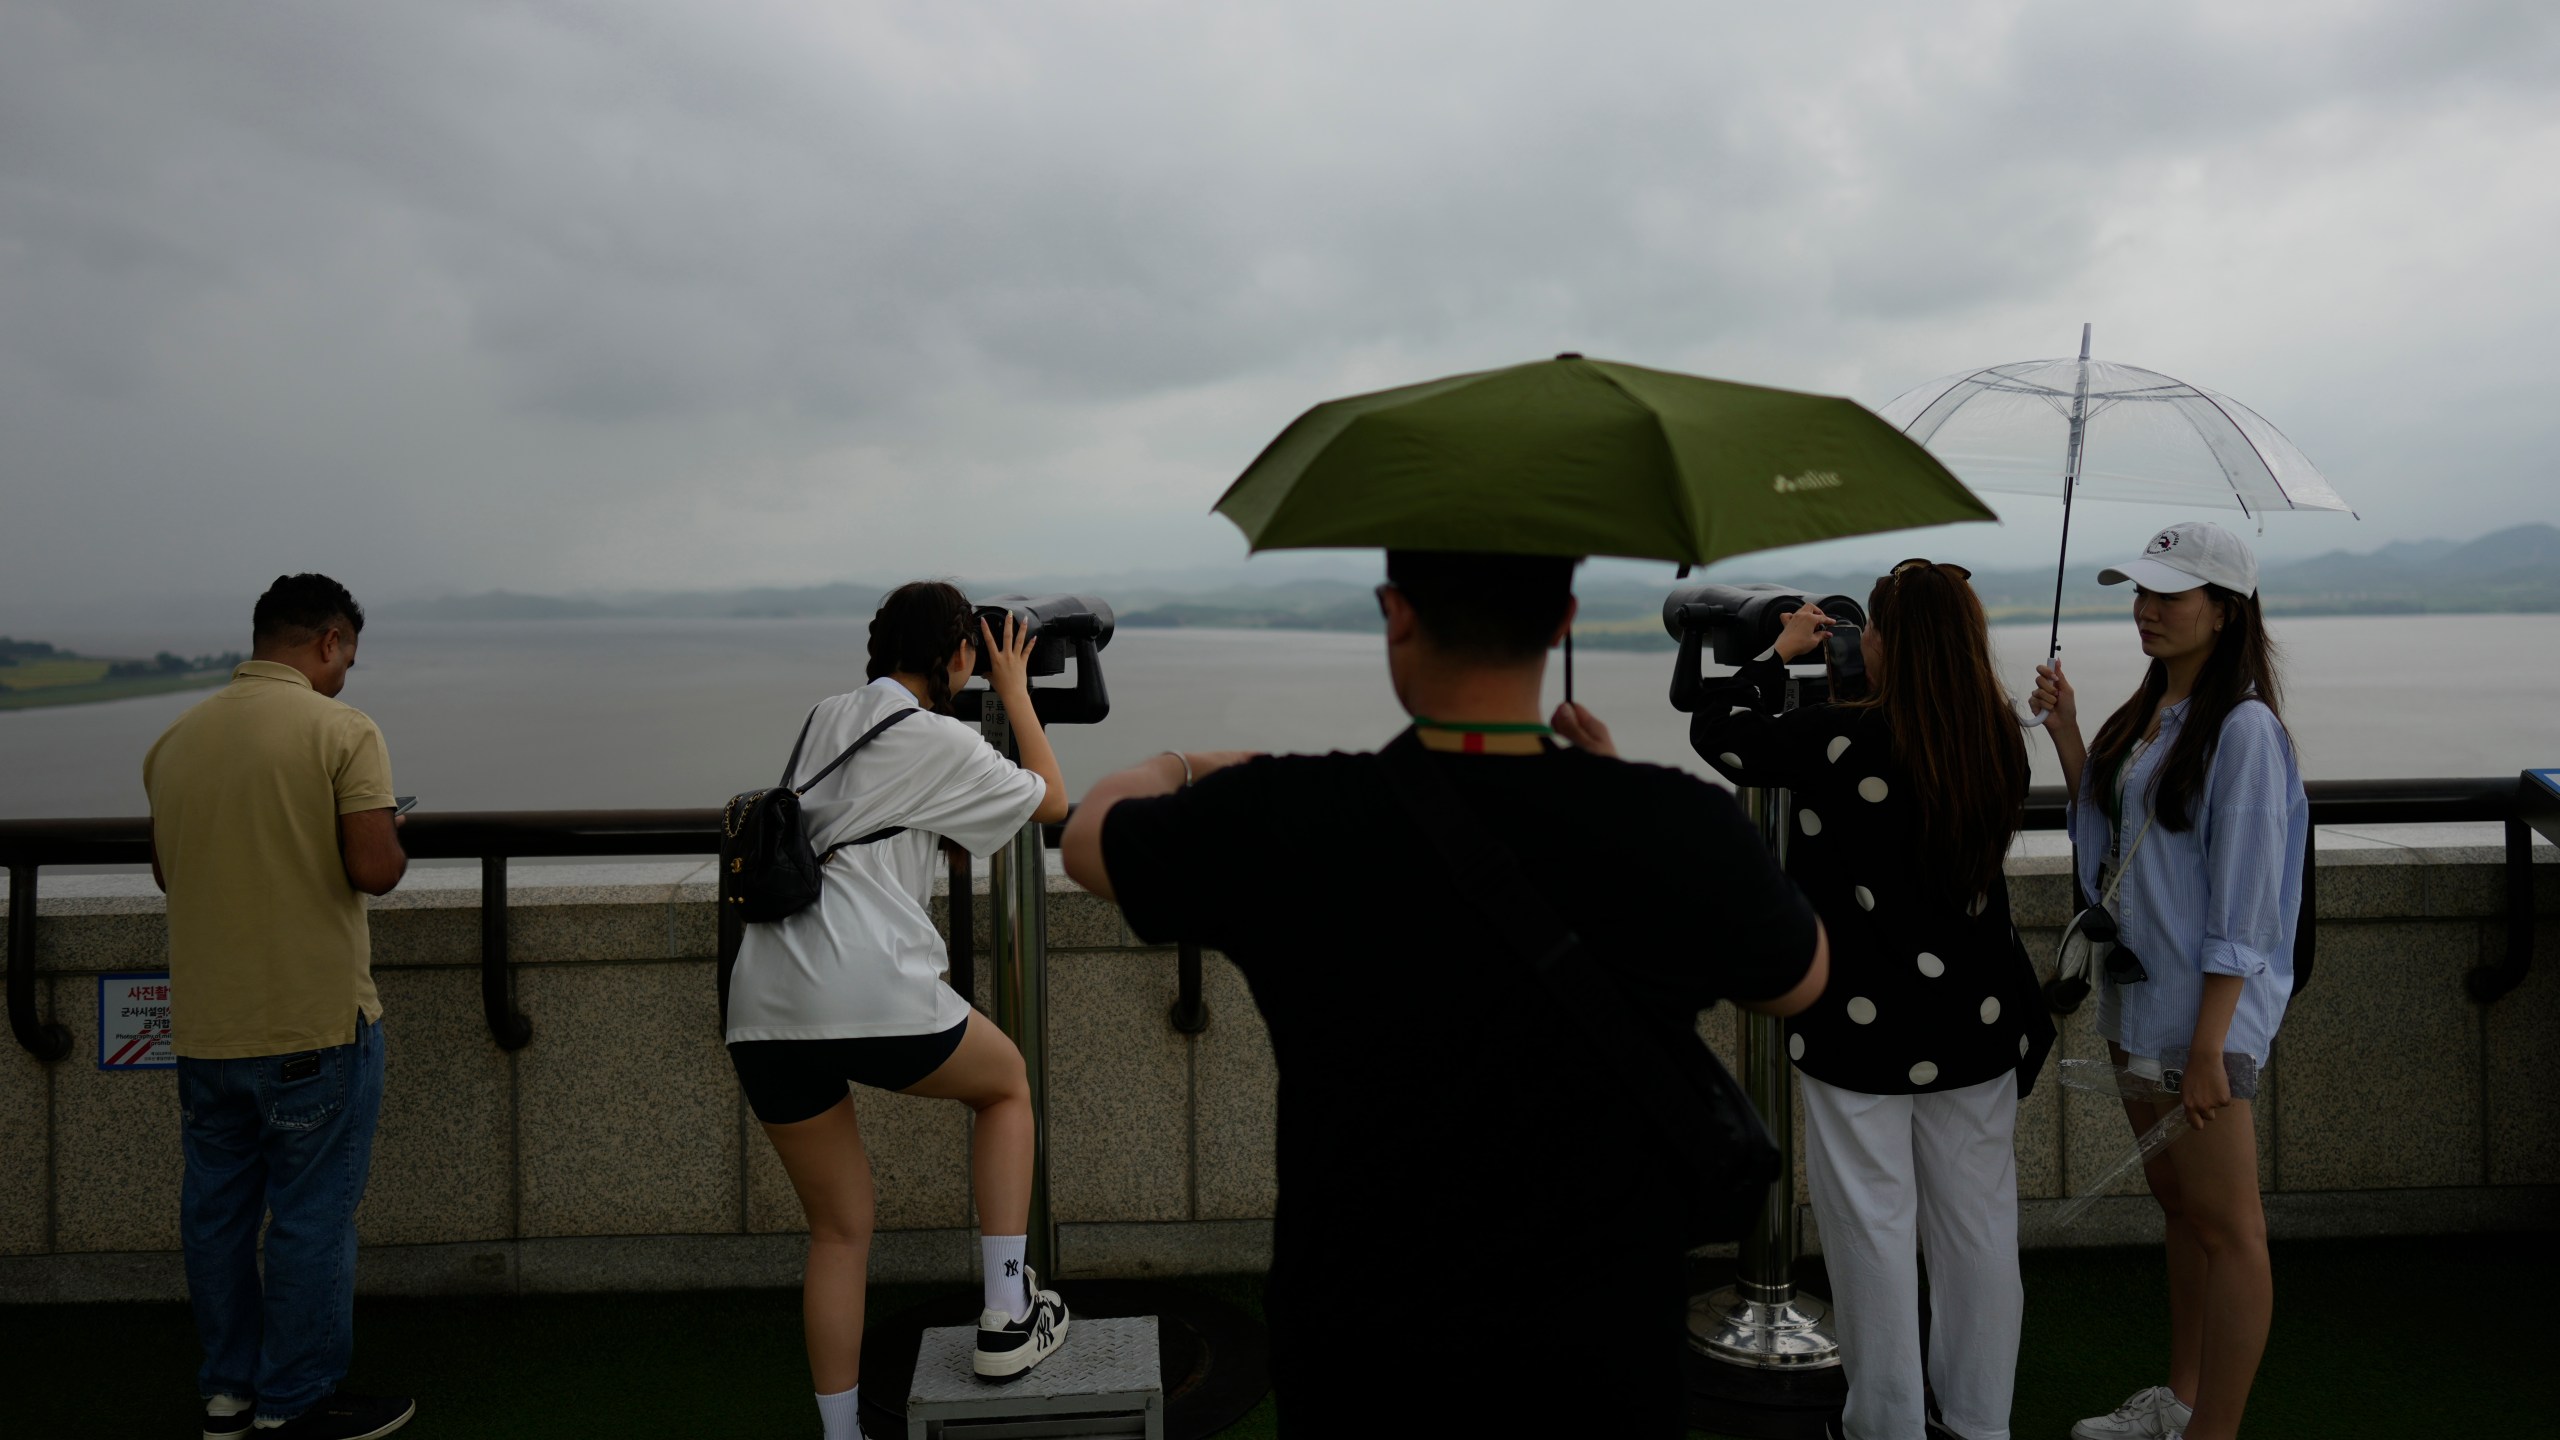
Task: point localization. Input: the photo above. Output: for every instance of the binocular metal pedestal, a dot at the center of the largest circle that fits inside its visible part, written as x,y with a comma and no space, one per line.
1019,890
1769,1362
1018,895
1761,1321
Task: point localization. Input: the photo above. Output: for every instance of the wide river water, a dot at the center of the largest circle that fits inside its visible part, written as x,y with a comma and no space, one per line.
532,715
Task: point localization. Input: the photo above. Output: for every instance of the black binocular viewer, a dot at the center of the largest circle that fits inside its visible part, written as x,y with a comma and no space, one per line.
1738,623
1062,627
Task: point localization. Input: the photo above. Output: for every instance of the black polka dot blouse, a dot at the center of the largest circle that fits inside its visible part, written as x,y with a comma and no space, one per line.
1928,991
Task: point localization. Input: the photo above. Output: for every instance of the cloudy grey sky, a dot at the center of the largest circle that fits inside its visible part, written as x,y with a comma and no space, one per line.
448,296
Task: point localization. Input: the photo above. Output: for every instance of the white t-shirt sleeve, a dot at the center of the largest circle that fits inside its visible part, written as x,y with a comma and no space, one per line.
976,798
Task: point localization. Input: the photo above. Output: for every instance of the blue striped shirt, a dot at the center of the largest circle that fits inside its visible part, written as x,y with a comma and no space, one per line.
2220,898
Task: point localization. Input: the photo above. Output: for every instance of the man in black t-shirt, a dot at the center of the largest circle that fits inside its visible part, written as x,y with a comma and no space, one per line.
1476,1218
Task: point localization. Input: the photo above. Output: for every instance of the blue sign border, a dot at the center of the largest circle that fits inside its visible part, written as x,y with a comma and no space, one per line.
103,982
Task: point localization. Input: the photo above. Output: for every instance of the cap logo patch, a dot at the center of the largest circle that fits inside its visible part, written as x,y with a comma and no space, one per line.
2162,543
1809,480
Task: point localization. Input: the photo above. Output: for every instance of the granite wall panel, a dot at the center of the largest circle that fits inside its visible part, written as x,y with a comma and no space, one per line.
1119,1089
2371,884
2039,1138
426,928
26,1140
628,1109
443,1153
1237,1118
2524,1066
2382,1063
2096,1136
106,933
115,1135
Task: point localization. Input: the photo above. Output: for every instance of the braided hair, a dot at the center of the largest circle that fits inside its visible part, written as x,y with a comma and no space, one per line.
919,627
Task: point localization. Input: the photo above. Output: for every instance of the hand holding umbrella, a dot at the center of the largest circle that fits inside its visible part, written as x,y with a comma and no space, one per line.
2128,434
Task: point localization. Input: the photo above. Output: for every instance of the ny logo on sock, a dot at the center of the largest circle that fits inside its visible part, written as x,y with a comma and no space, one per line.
1012,1267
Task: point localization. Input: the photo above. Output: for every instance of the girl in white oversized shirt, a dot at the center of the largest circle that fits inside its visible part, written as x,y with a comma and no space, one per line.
865,960
851,989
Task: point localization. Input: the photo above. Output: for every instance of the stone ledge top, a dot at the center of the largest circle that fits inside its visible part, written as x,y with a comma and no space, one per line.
2372,880
443,885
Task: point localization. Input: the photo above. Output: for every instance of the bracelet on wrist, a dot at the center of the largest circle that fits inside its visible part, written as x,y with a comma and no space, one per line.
1185,762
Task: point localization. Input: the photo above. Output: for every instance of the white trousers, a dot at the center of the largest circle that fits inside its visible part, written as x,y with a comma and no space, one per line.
1940,1172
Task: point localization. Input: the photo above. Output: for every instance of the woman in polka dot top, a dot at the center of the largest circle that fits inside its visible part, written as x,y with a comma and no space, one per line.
1905,800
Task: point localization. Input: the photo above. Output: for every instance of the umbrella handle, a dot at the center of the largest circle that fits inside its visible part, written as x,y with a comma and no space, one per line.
2036,718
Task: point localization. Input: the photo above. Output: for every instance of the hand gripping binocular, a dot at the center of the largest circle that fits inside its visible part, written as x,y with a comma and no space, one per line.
1739,623
1062,628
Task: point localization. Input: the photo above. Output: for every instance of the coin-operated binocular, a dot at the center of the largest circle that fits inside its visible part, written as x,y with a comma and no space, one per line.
1062,628
1738,624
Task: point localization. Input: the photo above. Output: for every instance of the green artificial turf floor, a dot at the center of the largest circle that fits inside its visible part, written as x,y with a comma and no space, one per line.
2387,1338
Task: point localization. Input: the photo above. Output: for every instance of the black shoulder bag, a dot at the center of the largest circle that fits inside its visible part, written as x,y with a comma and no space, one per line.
1723,1153
768,868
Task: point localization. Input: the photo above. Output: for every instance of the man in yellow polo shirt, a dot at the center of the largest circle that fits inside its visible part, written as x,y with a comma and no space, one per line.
271,819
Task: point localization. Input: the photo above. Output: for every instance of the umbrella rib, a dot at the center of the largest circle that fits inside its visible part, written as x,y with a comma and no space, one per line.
2272,477
1950,390
1679,495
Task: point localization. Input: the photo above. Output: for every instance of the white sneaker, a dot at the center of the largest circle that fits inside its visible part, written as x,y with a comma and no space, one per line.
2152,1414
1008,1347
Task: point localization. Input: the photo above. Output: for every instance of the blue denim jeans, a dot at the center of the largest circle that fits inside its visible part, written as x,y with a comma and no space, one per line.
290,1135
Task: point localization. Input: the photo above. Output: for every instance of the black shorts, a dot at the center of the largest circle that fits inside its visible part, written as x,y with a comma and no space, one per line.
788,1081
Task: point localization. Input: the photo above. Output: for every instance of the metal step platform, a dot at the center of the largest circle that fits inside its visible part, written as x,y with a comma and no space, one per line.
1212,1364
1105,1380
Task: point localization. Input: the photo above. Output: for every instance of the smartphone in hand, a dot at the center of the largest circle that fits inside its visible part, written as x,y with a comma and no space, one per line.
402,805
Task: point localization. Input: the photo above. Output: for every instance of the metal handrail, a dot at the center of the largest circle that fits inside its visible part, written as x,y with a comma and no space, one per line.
494,836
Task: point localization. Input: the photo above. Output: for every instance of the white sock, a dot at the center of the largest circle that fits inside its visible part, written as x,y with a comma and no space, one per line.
224,1405
842,1414
1008,1287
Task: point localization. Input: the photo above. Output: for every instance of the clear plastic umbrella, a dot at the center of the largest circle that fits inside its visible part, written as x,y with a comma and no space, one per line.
2125,433
2101,1077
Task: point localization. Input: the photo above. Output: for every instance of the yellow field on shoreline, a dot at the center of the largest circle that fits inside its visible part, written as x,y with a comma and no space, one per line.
41,683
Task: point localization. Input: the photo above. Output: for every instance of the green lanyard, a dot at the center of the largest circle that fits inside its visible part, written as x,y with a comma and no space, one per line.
1502,727
1471,737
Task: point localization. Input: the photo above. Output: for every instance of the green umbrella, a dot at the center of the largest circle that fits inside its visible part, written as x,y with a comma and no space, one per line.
1589,457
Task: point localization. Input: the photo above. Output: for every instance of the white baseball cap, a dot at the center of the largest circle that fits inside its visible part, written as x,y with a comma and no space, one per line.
2186,555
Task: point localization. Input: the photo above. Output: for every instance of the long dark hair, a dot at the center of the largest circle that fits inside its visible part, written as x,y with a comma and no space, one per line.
2241,667
919,627
1953,731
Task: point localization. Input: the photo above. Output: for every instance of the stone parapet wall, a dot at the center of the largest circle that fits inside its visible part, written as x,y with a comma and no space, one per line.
615,1151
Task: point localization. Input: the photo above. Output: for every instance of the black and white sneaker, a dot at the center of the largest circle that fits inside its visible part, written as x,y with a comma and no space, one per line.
346,1417
1008,1348
231,1426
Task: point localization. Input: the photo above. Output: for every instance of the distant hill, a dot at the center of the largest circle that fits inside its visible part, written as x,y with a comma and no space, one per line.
501,605
2506,571
2516,569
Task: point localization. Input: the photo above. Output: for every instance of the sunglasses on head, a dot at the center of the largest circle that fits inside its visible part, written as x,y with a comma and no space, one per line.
1917,563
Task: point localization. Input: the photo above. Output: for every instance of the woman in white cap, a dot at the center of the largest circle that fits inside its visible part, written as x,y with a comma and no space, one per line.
2189,810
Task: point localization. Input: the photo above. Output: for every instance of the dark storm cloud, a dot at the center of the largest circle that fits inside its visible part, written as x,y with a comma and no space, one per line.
551,296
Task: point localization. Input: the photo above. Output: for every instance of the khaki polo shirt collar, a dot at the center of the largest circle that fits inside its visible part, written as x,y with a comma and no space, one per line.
269,670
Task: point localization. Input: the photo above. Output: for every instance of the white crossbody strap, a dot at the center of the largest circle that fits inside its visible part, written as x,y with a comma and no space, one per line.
2115,882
